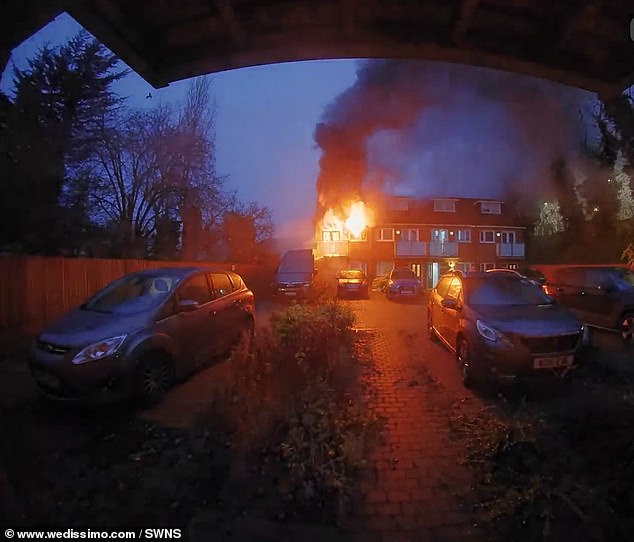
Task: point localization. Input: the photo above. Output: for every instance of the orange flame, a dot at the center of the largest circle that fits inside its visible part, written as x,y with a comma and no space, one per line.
357,217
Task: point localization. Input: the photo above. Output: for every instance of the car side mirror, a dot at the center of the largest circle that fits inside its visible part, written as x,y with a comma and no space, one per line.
449,303
186,305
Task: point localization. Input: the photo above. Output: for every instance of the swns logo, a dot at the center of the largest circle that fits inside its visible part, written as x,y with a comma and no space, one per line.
162,533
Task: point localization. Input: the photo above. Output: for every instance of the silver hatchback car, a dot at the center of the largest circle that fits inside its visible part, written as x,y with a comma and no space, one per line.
141,332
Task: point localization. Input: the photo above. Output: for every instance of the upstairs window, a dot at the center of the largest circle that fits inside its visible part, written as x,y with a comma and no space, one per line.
490,207
333,235
385,234
445,205
487,236
463,236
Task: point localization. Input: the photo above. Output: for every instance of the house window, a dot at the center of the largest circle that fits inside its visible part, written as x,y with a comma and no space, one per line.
490,207
386,234
463,236
409,235
465,267
439,236
445,205
487,236
331,235
486,266
362,237
507,237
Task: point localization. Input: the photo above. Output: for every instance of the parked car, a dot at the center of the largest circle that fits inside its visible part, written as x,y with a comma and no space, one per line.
602,297
402,283
501,326
295,276
352,282
141,332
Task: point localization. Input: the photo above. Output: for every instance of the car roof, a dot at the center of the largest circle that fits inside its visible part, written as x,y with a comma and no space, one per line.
176,271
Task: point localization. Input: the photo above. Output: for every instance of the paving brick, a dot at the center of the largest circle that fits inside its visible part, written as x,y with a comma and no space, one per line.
414,497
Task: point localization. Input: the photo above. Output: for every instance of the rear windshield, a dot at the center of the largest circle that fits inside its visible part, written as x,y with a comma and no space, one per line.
351,274
503,290
403,274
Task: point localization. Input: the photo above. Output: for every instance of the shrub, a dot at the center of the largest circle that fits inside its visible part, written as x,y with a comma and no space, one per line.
296,396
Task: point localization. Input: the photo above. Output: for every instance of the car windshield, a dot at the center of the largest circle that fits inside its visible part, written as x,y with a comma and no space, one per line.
503,290
403,274
132,294
351,274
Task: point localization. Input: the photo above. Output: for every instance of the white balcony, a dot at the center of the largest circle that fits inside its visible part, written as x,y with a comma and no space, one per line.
443,249
332,248
510,250
409,248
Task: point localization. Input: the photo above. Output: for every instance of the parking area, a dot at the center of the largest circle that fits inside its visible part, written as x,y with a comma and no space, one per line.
417,484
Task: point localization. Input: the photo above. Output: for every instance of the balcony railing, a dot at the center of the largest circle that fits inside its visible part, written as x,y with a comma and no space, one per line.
409,248
332,248
443,249
510,250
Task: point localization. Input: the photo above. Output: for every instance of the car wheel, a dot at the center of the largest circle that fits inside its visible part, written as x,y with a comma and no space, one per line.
471,377
431,334
627,328
155,375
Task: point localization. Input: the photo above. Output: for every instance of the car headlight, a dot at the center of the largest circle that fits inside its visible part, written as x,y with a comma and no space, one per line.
99,350
491,334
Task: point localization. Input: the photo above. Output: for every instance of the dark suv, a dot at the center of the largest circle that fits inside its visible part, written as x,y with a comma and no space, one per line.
141,332
502,326
601,296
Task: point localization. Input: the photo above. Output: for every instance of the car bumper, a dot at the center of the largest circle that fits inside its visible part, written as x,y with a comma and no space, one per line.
505,364
57,377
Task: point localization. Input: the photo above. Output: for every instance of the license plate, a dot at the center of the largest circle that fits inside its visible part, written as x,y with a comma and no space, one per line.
290,294
352,286
407,291
47,379
553,362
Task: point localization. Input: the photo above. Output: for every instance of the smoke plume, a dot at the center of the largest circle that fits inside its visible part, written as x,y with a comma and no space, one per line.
428,129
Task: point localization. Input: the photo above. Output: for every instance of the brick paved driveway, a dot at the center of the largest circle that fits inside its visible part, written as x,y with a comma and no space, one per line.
415,487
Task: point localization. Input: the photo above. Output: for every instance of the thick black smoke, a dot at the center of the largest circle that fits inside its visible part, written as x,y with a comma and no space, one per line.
431,129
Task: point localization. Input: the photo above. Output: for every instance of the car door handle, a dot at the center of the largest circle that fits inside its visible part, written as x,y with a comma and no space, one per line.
582,292
237,301
213,313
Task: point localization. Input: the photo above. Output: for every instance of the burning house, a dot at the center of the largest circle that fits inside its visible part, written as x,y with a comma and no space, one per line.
460,142
428,235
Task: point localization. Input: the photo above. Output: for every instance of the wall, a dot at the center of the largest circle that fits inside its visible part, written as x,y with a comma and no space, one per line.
34,290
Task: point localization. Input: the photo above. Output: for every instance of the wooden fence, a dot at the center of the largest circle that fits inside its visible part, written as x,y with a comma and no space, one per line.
34,290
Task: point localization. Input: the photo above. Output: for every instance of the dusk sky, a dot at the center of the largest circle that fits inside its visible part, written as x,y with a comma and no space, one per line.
266,117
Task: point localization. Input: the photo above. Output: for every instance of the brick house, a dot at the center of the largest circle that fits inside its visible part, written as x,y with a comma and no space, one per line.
431,236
